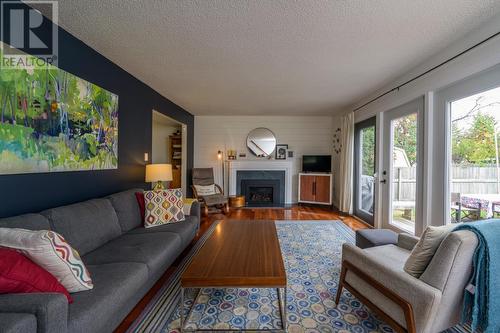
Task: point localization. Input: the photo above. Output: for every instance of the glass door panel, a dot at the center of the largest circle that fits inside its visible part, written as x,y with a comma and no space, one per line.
402,169
364,173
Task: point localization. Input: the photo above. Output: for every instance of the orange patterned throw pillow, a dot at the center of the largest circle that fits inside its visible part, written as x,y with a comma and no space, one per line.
165,206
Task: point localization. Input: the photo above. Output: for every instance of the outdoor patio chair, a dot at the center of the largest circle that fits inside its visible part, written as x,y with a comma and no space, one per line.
217,200
460,211
496,209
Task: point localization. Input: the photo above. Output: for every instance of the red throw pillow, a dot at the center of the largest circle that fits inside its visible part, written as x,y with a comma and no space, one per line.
142,205
18,274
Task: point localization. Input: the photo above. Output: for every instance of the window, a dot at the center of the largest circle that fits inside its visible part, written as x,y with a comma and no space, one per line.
474,169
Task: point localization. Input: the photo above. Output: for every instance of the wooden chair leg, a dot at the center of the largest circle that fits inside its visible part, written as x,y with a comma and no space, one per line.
226,208
205,210
341,284
403,304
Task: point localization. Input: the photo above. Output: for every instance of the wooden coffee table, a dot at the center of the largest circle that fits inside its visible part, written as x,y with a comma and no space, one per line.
238,254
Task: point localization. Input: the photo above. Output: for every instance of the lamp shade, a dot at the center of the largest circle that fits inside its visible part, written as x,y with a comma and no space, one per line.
158,173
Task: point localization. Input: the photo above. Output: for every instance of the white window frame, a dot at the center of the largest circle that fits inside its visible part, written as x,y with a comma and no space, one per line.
475,84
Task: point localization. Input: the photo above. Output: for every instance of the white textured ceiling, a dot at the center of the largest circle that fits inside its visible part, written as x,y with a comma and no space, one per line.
261,57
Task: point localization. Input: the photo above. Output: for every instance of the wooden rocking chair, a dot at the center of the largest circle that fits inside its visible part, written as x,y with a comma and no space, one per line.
217,200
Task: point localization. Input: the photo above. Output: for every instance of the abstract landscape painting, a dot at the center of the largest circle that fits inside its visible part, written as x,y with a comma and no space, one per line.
51,120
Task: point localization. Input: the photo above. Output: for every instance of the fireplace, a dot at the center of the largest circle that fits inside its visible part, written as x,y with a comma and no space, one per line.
262,188
261,192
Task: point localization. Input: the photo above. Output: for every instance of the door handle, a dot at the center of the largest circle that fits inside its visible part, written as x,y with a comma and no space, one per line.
383,181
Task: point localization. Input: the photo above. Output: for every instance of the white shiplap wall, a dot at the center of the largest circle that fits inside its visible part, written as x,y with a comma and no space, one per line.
304,136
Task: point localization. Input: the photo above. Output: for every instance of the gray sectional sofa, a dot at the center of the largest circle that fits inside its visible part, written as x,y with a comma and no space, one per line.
124,260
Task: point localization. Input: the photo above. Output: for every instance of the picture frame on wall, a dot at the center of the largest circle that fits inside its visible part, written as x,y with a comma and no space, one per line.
58,125
281,151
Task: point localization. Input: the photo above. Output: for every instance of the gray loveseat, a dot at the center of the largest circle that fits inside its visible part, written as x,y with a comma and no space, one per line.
124,260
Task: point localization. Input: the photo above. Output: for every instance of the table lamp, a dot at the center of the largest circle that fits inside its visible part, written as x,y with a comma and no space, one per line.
158,173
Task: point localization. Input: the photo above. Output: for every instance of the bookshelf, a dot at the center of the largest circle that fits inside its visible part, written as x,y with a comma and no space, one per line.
175,145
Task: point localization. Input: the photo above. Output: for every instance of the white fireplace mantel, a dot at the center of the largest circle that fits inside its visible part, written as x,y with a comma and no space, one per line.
261,165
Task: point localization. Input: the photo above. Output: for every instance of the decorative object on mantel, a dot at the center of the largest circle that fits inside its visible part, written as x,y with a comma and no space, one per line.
290,153
158,173
281,151
261,142
231,154
337,144
242,155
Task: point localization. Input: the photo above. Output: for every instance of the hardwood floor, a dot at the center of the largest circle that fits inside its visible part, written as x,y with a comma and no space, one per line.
292,213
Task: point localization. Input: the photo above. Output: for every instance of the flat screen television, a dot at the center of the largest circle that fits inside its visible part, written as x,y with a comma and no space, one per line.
317,163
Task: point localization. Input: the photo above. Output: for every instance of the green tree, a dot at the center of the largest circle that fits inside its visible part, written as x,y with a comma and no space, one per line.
476,145
368,151
405,136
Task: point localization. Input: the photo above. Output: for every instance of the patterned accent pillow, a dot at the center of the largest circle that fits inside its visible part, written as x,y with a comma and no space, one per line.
163,207
50,250
19,274
205,189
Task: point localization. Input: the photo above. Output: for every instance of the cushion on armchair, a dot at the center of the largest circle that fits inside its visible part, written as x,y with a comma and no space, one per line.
215,199
204,190
425,249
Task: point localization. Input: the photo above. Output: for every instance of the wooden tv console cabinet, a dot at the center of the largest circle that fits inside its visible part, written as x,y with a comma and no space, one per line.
315,188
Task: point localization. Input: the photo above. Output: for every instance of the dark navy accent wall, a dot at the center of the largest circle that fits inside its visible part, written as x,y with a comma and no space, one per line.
35,192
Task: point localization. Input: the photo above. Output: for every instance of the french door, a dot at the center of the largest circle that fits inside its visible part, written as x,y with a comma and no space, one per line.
401,176
364,170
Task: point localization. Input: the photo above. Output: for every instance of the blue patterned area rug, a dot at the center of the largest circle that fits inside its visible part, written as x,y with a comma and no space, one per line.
312,254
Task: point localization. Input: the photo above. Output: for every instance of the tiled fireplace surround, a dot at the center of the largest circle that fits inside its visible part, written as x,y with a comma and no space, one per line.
267,172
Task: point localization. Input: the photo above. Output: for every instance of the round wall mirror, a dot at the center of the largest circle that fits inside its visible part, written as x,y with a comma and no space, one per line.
261,142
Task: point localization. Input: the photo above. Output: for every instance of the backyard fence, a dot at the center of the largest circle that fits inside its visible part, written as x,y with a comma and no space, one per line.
465,179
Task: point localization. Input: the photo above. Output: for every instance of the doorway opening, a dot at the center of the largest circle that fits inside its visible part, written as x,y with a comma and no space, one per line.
169,146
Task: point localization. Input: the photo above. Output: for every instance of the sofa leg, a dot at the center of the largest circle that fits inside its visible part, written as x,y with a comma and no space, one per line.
205,210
